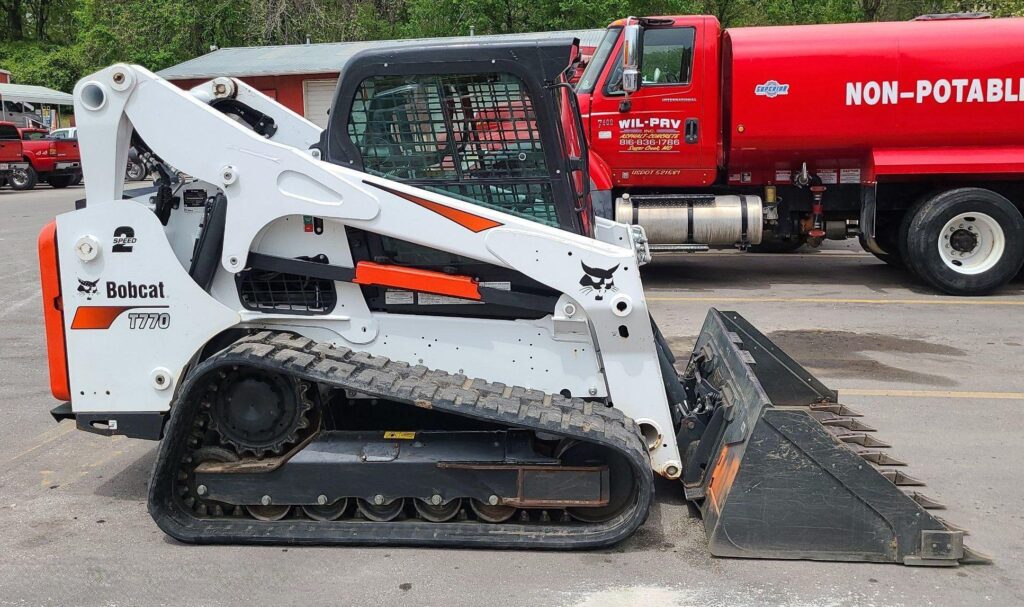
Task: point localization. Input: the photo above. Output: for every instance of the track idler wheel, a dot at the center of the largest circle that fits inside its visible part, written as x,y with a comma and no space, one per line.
621,483
380,513
191,493
327,512
437,513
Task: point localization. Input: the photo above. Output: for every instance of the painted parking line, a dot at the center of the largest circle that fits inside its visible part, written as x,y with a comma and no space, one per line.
840,300
46,438
932,394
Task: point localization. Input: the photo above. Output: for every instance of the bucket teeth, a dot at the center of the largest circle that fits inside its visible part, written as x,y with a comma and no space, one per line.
849,423
863,439
880,458
951,526
836,409
903,479
973,557
926,502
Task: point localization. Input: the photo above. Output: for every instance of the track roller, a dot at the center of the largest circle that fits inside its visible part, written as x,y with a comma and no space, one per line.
488,513
382,512
437,513
268,512
326,512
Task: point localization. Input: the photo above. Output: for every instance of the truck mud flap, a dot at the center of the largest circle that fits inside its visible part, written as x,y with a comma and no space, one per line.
779,469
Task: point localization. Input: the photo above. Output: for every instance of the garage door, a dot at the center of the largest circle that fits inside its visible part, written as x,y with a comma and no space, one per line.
317,96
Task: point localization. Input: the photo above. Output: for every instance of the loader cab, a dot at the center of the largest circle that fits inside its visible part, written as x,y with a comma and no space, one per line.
481,122
662,127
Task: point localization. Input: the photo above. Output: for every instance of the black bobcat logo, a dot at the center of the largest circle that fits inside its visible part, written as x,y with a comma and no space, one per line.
596,279
87,288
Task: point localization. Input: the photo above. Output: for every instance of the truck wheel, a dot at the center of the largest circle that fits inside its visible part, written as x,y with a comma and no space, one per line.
24,180
773,244
966,241
77,180
60,181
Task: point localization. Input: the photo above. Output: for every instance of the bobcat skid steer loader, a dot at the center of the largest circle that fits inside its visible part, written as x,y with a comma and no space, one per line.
409,328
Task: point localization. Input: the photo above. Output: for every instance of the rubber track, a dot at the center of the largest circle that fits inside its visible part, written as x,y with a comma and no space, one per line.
377,376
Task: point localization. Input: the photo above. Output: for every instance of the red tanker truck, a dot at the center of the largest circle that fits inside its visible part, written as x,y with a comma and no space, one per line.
907,135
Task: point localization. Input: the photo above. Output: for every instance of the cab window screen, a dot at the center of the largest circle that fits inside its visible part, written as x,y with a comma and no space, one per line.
8,132
473,137
667,56
34,135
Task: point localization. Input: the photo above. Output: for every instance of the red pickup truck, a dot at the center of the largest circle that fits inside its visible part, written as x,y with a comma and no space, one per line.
55,161
11,157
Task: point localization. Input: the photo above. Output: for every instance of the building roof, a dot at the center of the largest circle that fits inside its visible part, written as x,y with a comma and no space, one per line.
325,57
27,93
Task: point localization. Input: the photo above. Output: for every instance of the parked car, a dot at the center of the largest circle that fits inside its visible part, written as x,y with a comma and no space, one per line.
68,133
55,161
65,133
11,156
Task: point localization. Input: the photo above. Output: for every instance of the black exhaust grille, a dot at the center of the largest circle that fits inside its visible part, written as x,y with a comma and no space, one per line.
284,293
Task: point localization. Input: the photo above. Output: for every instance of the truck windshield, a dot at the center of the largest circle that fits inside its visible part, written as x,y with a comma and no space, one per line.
593,72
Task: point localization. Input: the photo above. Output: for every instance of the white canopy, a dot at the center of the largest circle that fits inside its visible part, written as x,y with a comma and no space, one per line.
27,93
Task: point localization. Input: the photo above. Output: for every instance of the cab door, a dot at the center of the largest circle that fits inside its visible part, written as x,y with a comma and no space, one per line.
666,133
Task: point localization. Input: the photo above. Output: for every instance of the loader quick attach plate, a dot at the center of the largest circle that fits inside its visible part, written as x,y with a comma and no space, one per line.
416,386
792,474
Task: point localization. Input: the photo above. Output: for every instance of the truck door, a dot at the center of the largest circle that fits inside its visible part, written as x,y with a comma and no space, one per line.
666,133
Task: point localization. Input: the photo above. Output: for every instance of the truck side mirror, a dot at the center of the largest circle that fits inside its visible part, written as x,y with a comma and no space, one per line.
630,58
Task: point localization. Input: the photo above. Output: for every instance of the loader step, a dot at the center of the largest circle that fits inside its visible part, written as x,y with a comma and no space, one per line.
175,488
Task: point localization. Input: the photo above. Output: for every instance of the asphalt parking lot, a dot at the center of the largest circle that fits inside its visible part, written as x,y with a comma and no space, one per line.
941,377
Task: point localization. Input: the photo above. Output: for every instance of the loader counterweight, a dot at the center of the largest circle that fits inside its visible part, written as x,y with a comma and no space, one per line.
53,312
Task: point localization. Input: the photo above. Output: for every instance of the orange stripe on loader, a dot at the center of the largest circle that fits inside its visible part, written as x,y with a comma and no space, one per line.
97,317
471,222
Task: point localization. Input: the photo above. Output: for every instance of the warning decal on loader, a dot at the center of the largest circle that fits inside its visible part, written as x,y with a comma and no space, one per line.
396,435
722,476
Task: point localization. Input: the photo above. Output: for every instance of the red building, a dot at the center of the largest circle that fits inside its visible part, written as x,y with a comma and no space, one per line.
303,76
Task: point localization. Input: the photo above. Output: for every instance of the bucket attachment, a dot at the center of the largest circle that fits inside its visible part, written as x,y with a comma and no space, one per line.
779,469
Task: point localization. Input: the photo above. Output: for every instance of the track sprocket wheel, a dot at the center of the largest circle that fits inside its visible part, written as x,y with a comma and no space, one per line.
259,412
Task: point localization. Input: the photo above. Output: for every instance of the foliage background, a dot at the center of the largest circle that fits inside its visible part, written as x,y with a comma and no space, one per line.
55,42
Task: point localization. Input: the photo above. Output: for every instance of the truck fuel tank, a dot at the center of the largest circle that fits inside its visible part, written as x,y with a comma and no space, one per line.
700,220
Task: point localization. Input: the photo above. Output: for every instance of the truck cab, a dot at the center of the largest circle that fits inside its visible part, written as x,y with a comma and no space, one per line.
905,135
666,133
55,161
